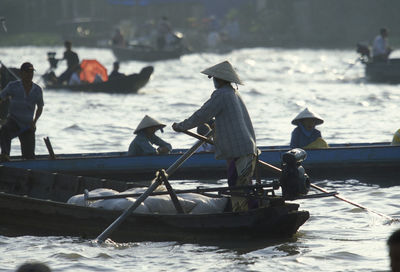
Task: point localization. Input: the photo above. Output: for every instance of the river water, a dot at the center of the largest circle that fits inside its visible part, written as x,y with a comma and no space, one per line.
279,83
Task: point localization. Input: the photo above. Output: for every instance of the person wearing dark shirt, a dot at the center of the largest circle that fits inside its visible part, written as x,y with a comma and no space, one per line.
72,62
115,74
305,135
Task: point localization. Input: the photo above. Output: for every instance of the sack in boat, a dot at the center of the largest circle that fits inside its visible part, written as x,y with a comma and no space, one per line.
205,204
120,204
80,199
163,204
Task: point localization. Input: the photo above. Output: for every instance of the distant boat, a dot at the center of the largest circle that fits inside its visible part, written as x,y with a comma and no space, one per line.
146,53
128,84
381,72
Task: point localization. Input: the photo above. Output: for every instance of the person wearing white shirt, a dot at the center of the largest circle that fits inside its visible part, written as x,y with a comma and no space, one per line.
380,48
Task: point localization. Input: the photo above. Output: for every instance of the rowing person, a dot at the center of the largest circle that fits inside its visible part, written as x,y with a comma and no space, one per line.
143,143
305,135
234,135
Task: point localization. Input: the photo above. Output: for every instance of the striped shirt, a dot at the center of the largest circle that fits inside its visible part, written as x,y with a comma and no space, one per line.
234,134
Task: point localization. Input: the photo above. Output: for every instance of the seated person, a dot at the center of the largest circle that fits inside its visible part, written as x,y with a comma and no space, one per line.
396,138
75,77
115,72
146,138
305,135
205,147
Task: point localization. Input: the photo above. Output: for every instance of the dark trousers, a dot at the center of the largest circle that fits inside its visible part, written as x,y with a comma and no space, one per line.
65,76
11,130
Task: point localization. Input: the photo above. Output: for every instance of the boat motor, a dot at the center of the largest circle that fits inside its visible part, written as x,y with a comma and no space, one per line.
294,181
51,57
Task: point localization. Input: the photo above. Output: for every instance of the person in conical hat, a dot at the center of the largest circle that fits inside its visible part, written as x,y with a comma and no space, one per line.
305,135
146,139
233,134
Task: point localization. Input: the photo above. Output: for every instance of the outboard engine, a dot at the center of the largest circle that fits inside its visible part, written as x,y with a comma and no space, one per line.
364,51
294,181
51,57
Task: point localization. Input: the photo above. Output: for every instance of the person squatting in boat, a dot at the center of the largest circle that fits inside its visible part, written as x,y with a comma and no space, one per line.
145,138
305,135
234,135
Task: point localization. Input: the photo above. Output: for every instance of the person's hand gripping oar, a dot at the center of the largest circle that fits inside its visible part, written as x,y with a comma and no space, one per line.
277,170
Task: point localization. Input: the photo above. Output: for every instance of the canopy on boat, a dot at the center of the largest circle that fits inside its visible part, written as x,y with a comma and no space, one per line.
91,68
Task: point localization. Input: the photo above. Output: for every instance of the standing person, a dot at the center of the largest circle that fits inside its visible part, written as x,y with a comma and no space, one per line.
393,243
305,135
163,29
72,62
234,136
381,49
21,120
146,138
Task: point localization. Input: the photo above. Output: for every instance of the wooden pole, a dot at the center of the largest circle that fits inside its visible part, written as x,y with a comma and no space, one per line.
155,183
277,170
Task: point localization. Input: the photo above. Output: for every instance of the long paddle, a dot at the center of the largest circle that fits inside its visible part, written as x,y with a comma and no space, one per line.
154,184
9,70
277,170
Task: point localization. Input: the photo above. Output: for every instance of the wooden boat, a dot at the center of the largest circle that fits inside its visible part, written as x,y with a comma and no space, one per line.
146,53
386,72
382,72
128,84
34,203
363,161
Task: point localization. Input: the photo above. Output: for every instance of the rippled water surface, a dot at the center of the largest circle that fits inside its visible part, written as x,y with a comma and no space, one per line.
279,83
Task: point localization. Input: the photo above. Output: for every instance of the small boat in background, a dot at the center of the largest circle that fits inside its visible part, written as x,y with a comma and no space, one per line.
127,84
380,72
146,53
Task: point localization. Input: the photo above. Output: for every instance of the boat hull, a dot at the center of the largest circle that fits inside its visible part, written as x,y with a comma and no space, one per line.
144,53
128,84
375,162
33,203
385,72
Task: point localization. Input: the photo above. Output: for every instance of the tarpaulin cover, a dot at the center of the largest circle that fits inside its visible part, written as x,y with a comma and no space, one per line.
89,70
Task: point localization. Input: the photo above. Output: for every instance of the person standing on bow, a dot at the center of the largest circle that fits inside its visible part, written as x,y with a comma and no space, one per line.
305,135
24,97
72,62
234,136
146,138
380,48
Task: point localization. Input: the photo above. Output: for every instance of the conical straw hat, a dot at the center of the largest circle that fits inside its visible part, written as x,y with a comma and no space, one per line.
146,122
306,113
223,70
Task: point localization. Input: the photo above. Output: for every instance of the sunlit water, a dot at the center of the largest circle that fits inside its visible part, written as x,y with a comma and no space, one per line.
278,85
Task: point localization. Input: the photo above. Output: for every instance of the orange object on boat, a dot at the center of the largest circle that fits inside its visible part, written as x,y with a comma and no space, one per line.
91,68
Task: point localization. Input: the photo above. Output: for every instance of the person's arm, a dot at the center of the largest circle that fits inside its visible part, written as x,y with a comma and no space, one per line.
38,113
209,110
294,141
5,93
164,147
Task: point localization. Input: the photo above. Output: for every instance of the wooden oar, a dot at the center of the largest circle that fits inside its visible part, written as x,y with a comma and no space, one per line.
277,170
9,70
154,184
49,148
